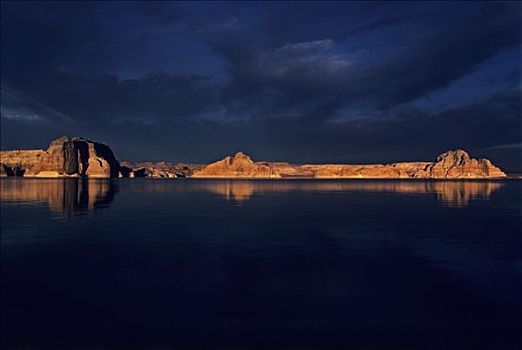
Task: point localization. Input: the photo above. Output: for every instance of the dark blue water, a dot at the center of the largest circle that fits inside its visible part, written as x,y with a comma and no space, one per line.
140,263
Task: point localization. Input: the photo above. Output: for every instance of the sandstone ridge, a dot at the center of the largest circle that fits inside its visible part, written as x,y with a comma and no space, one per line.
455,164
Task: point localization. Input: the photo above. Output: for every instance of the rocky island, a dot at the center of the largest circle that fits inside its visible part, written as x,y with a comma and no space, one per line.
79,157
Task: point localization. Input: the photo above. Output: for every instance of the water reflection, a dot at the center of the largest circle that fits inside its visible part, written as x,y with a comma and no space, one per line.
239,191
450,193
301,259
68,197
64,197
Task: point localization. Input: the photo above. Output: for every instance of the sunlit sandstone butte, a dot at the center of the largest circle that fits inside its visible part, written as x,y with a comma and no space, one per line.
80,157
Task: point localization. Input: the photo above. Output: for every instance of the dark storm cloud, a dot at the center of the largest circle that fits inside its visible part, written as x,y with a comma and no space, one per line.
413,136
305,82
289,77
153,98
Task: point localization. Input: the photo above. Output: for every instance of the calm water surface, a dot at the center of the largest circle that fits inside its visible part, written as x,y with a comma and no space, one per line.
140,263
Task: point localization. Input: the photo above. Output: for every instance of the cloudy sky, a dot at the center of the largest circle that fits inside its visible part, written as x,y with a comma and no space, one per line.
304,82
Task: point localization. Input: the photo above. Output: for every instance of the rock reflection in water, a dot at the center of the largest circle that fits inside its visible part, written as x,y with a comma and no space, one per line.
237,191
450,193
65,197
68,197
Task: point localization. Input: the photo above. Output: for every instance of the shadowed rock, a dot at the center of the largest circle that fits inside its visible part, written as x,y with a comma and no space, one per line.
6,170
158,169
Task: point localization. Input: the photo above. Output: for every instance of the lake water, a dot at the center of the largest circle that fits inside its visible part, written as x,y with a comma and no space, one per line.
238,264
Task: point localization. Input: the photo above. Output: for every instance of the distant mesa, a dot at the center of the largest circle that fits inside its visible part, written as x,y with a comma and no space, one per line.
79,157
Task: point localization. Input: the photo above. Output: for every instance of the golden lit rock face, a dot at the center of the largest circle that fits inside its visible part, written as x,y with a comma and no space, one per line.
79,157
378,171
19,162
458,164
240,166
449,165
65,157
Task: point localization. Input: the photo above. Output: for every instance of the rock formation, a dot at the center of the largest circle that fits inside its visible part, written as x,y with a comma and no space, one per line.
65,157
240,166
20,162
395,170
458,164
158,169
6,170
448,165
79,157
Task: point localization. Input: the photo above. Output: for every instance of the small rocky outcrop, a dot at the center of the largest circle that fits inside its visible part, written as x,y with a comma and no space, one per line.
458,164
240,166
158,169
65,157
